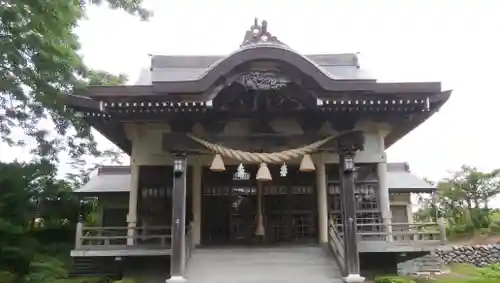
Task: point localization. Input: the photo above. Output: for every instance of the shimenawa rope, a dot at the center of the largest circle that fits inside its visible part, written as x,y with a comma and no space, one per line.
256,157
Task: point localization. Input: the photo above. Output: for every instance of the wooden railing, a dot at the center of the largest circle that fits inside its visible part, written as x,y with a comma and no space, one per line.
400,232
336,245
93,237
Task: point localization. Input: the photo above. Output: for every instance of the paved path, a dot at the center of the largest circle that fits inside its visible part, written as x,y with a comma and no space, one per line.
293,264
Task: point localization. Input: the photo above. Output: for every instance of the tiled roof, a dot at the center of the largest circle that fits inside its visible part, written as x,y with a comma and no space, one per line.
117,179
188,68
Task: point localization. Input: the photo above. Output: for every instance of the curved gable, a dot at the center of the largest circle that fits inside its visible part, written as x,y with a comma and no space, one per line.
260,46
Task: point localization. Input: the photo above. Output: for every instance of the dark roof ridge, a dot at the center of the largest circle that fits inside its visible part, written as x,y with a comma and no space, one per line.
113,169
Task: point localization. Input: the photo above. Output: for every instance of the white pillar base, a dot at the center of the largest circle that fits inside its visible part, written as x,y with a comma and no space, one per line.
388,226
176,279
354,278
131,233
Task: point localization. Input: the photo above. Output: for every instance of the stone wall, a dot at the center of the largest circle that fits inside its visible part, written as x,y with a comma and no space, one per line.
480,255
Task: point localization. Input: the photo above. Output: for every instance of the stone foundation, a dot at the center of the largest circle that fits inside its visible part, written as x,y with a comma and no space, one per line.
480,255
434,263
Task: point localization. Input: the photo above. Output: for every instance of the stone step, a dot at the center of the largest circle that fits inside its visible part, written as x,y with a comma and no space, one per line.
86,266
310,264
429,264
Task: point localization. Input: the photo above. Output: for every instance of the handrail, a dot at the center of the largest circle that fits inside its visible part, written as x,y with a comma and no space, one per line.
398,232
336,245
117,237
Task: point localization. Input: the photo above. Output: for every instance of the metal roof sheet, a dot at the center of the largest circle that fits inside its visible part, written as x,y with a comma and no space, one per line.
189,68
117,179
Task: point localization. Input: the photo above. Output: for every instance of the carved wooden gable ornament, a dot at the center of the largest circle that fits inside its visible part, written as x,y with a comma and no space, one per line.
259,34
262,79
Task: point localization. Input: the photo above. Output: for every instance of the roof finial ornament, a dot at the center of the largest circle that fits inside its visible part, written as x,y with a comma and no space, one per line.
259,34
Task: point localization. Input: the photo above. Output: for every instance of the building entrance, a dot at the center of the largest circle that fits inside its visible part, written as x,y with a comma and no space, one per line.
230,207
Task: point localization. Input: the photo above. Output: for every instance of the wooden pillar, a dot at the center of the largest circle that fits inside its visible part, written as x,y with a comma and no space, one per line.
132,203
132,133
321,192
347,167
196,203
178,228
384,197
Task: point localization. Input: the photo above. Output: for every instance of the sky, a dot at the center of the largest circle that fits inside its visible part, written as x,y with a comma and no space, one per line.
455,42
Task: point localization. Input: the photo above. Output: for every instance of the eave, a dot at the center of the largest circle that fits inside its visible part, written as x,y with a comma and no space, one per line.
106,116
402,127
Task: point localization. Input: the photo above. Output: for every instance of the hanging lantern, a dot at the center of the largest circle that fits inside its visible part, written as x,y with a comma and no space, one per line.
307,165
217,164
263,173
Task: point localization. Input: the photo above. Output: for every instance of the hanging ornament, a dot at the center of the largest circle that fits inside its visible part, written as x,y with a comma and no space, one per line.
259,229
217,164
240,172
263,173
283,170
307,165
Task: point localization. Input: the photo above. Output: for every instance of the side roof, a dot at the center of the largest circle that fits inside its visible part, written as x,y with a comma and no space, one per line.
114,179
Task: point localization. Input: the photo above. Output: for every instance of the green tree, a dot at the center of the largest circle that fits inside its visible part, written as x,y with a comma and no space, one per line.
463,198
39,65
21,186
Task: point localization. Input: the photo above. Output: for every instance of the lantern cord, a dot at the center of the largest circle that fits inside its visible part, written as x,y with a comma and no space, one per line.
269,158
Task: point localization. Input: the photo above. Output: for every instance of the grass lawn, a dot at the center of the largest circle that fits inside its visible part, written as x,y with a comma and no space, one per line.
460,273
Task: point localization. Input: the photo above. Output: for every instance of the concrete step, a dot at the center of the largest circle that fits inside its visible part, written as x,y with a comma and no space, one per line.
310,264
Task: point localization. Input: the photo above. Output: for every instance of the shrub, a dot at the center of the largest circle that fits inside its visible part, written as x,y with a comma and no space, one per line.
7,277
495,227
45,269
460,230
84,279
393,279
126,280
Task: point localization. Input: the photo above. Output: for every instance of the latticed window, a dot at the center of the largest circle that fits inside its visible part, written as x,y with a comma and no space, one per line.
365,191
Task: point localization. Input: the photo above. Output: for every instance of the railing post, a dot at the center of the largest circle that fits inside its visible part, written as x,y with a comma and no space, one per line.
79,234
79,225
442,230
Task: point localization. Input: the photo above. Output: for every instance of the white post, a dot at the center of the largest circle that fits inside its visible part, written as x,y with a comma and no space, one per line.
132,204
79,233
196,193
442,230
322,195
385,202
